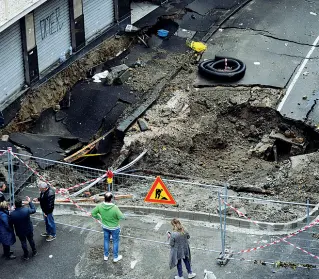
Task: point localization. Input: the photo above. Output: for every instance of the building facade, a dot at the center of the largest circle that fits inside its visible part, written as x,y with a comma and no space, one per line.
47,33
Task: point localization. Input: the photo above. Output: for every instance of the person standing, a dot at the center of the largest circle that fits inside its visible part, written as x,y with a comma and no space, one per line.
3,187
46,199
7,237
178,240
21,221
110,216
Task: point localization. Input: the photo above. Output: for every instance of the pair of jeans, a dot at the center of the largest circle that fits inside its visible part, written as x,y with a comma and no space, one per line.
6,250
50,225
180,268
116,241
23,240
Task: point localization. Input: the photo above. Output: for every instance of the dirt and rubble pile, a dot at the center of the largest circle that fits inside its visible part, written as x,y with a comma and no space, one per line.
212,134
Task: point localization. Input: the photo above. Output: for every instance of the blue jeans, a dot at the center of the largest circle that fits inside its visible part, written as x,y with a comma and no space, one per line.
180,268
116,241
50,225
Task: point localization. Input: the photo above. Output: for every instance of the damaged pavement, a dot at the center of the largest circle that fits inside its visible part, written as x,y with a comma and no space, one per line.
149,91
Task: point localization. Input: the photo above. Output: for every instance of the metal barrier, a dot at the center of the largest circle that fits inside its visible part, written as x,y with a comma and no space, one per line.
252,229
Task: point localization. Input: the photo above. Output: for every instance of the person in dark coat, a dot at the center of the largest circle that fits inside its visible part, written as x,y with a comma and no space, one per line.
7,237
21,221
3,187
46,199
180,250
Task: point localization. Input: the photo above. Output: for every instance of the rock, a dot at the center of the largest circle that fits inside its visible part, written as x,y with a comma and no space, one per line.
122,78
289,134
5,138
142,124
118,69
243,211
263,147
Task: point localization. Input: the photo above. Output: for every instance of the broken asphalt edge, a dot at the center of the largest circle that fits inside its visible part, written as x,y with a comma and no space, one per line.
274,228
213,29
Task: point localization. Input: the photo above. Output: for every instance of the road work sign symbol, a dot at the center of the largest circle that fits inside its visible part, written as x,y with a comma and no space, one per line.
159,193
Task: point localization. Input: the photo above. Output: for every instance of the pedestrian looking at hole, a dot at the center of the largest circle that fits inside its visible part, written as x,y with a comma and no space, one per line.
178,240
46,199
7,237
110,215
21,221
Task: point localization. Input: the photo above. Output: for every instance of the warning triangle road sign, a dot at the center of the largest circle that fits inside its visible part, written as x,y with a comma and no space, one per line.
159,193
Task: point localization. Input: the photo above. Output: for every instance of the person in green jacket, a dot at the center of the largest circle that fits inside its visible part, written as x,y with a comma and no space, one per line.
110,215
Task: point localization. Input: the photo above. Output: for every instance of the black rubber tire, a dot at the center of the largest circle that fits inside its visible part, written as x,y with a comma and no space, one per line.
210,69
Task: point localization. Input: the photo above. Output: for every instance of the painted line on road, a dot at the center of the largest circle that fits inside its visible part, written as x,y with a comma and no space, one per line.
296,77
158,225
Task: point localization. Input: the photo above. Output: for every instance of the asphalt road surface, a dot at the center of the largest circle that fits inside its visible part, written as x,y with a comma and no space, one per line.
78,252
278,40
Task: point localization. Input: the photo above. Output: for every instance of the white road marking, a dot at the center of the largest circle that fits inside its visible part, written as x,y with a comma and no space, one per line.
296,77
133,263
158,225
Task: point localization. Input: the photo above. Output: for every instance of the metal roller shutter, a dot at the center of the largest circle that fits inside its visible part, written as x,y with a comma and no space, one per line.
98,16
52,31
11,62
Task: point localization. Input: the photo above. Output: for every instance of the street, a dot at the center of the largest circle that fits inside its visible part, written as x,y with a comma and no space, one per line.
78,252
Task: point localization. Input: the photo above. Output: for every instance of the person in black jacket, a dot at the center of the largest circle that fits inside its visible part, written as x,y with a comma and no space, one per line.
21,221
3,187
46,199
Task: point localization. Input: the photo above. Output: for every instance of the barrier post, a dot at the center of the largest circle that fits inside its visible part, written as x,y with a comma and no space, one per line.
225,254
221,225
10,177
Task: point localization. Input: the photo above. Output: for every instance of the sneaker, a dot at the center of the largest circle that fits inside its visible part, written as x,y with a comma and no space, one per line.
50,238
177,277
10,253
191,275
118,258
11,257
106,258
34,253
44,234
25,258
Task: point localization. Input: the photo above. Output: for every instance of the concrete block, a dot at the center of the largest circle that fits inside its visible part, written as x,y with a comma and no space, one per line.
223,259
122,78
118,69
142,124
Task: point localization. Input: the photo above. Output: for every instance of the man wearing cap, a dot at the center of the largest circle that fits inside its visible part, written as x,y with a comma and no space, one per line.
110,216
46,199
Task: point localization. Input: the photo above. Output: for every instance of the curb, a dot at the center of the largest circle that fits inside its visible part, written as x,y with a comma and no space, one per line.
203,216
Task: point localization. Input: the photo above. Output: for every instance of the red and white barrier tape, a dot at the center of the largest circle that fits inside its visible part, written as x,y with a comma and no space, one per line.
241,214
2,153
63,194
62,190
283,239
33,170
301,249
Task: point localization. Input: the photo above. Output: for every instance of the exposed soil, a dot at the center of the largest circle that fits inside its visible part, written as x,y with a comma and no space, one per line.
52,92
209,135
